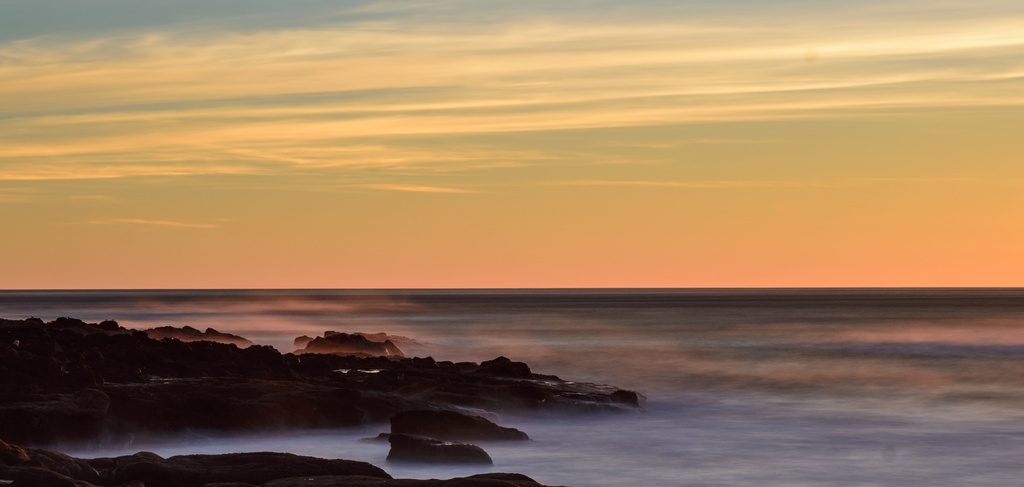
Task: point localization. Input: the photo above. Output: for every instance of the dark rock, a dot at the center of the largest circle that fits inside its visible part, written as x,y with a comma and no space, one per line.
9,356
65,322
252,468
12,454
70,380
62,464
483,480
424,363
409,448
507,477
451,425
381,337
229,404
38,477
530,394
92,400
189,334
351,344
302,341
628,398
46,419
466,367
343,481
503,367
109,325
144,469
491,480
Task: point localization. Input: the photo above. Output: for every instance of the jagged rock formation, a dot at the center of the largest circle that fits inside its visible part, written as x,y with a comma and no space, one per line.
357,345
71,380
189,334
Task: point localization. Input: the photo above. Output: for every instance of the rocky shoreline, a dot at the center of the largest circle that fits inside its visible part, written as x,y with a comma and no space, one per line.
71,381
33,467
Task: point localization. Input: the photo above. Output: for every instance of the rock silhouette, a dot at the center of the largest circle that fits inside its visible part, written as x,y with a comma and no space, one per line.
451,425
68,380
189,334
33,467
411,448
345,344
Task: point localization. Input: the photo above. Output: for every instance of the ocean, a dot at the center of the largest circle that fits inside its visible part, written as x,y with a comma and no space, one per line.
741,387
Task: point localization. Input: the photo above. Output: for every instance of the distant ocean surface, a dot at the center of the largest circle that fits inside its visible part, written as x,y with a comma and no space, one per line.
801,387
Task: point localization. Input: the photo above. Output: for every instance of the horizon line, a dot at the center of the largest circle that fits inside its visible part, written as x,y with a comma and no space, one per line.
598,288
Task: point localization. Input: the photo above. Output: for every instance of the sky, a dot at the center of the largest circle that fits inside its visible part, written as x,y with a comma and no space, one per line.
466,144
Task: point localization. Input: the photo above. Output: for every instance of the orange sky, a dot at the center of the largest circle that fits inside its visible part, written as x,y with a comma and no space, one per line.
460,144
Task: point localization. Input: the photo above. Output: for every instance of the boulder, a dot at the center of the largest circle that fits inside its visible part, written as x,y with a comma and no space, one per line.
38,477
481,480
410,448
12,454
451,425
109,325
503,367
62,464
251,468
628,398
51,469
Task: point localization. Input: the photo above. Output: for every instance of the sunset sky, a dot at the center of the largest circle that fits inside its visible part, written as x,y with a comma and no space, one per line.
450,143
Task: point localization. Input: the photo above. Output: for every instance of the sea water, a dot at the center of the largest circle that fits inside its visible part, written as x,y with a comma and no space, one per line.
800,387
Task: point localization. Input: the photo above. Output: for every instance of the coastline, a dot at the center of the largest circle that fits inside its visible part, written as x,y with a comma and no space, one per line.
71,381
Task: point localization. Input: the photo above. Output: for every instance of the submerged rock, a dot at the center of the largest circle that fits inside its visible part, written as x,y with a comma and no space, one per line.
451,425
411,448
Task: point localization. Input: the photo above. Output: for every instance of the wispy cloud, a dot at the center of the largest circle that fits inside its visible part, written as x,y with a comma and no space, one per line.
93,197
135,221
205,102
803,183
418,189
691,184
85,165
14,198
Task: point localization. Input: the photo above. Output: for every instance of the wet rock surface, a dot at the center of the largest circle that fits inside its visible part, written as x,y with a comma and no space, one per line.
32,467
72,381
199,470
452,426
412,448
68,380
